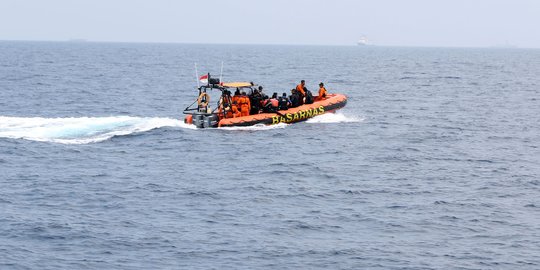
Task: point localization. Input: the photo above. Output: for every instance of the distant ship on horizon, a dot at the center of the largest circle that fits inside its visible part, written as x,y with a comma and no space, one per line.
363,41
506,45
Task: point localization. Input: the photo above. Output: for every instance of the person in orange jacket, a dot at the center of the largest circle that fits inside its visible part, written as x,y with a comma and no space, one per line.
301,90
322,92
225,109
244,104
236,96
235,110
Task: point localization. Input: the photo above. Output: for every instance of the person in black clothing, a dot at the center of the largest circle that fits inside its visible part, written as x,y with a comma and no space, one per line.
294,98
309,97
263,95
255,99
284,102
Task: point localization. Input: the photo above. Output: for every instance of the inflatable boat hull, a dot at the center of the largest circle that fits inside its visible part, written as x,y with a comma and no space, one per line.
332,103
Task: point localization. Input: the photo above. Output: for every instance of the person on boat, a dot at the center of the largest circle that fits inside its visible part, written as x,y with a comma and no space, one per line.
225,109
309,97
294,98
301,88
235,110
236,97
244,104
322,92
283,102
271,105
255,100
264,96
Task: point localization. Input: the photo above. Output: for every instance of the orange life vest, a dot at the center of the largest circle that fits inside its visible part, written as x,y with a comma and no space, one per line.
322,93
235,99
300,89
273,101
235,111
243,103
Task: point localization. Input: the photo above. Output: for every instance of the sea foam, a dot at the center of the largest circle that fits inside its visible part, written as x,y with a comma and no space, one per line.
338,117
84,130
81,130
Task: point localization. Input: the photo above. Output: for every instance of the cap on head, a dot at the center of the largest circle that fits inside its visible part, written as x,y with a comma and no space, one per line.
302,81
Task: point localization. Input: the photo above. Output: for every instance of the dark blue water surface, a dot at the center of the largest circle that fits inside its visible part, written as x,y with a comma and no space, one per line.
433,164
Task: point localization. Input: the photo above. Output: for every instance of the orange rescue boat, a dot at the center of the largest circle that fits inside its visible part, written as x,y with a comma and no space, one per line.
225,113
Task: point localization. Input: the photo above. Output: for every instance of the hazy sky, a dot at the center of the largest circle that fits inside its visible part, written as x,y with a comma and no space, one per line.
332,22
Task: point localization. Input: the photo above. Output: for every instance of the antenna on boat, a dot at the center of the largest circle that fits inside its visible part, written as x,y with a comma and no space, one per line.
197,76
221,74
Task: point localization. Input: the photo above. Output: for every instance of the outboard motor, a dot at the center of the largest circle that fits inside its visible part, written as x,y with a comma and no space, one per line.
205,121
198,120
210,121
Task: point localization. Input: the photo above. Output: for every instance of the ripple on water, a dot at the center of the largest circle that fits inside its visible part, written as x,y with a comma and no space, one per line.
423,169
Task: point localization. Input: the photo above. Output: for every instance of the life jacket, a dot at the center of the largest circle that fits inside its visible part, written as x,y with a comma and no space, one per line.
248,101
270,105
322,93
244,105
300,89
275,102
235,111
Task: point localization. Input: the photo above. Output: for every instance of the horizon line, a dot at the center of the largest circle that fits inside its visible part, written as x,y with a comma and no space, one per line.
82,40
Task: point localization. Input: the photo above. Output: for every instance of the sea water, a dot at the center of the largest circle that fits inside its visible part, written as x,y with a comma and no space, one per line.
433,164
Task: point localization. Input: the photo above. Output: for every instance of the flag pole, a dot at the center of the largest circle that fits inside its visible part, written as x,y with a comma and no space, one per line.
221,74
197,76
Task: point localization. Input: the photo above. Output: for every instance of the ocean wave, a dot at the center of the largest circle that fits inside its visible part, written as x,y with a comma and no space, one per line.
338,117
80,130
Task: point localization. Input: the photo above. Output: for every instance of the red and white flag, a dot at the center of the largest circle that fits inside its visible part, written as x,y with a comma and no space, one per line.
204,79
